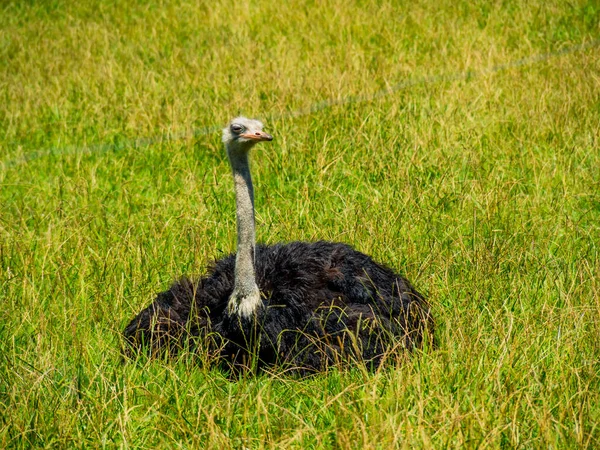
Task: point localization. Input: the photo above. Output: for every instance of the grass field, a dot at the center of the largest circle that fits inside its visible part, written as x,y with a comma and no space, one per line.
459,143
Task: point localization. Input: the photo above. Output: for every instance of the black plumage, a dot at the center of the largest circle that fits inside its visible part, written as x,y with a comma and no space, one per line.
323,303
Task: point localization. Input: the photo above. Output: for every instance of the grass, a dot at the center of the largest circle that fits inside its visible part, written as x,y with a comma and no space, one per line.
482,189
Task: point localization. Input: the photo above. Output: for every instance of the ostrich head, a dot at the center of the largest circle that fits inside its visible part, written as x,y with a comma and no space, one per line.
244,133
239,137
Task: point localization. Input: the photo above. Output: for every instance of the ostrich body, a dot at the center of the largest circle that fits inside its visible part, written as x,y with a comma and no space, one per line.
301,305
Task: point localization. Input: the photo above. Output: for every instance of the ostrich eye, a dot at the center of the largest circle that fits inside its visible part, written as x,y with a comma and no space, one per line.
237,128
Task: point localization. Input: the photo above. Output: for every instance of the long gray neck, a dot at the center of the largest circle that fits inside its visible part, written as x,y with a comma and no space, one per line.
245,299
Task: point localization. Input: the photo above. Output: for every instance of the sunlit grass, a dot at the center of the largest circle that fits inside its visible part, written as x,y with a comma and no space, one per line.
482,190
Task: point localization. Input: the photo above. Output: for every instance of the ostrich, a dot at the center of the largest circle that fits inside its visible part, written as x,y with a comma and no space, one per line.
302,305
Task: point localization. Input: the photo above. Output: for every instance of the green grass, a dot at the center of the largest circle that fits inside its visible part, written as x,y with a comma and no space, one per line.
484,190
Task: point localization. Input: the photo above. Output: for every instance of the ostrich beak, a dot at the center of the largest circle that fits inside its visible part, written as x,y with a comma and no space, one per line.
257,136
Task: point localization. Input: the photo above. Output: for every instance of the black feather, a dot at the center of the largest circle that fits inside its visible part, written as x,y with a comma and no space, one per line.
323,303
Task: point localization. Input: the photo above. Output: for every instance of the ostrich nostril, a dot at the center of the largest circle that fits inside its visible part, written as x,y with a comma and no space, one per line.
257,133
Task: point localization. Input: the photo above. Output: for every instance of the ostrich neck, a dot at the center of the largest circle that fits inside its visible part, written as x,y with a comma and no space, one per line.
245,297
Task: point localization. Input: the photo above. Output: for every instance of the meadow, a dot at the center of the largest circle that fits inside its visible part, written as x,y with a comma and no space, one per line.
456,141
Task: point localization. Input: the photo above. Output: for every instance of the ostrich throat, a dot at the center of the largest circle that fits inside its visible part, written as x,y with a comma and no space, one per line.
245,299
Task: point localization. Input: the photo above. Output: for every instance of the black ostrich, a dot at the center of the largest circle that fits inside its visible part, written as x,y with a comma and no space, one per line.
303,305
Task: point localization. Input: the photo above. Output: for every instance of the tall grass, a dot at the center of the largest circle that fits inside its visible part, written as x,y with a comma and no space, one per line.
483,190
